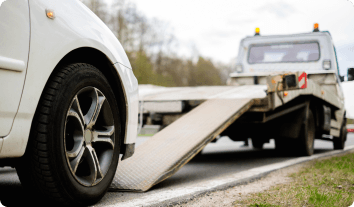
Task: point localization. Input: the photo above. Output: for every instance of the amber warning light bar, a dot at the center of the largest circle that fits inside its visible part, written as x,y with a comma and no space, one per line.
315,27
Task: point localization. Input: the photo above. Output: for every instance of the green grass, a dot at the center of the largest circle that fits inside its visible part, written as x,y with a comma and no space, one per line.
145,135
324,183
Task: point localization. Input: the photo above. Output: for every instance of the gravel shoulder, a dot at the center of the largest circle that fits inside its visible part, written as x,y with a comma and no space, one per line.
233,196
226,198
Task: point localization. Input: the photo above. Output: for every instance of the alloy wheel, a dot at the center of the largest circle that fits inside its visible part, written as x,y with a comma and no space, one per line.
89,136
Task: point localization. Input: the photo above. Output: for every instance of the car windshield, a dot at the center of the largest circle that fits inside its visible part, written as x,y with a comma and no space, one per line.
280,53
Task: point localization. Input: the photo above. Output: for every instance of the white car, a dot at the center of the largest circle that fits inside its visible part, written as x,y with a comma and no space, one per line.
69,99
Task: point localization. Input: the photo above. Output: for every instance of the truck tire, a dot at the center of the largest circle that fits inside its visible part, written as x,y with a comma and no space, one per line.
257,143
73,149
339,142
307,136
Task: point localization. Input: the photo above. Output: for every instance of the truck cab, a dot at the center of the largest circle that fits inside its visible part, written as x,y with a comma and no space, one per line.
312,53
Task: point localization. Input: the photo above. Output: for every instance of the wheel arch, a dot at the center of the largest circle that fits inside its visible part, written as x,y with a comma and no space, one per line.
104,64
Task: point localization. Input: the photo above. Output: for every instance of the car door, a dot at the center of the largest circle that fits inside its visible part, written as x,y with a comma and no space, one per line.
14,48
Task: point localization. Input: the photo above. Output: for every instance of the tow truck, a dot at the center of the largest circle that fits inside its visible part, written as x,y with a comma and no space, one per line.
286,88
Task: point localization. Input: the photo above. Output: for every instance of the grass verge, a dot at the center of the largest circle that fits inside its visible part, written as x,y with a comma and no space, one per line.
327,182
145,135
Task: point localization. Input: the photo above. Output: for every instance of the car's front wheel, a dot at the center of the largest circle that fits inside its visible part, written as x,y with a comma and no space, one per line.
73,149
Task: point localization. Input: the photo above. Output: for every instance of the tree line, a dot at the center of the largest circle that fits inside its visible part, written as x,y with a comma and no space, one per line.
150,47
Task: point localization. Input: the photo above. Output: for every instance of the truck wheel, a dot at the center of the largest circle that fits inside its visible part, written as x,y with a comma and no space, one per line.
257,143
307,136
73,148
339,142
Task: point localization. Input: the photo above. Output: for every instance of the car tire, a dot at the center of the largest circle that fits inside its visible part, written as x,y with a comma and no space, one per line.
339,142
73,148
307,136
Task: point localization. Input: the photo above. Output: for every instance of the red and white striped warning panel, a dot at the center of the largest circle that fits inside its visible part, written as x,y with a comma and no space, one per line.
303,80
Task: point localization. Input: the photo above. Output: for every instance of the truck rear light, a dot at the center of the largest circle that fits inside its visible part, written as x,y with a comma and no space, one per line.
326,64
239,68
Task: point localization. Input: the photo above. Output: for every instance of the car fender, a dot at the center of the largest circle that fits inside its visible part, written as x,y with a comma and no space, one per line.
74,26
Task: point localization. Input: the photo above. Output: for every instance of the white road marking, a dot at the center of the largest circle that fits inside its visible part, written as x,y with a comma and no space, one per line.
219,183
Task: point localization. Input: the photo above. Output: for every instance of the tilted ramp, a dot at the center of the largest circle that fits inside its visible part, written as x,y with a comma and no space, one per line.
167,151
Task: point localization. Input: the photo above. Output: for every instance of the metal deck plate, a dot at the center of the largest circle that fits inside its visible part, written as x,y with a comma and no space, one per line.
202,93
167,151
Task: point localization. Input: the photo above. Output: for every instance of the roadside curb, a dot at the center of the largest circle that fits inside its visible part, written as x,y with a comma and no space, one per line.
184,194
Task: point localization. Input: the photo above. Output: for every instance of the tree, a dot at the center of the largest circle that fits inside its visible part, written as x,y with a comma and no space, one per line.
99,7
205,73
149,45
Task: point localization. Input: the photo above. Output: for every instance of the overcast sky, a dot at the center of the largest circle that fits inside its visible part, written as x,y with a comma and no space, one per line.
216,27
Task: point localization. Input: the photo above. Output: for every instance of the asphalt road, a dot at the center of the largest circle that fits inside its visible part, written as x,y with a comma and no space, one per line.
217,159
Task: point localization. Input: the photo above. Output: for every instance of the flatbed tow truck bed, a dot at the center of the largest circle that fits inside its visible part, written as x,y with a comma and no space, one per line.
215,109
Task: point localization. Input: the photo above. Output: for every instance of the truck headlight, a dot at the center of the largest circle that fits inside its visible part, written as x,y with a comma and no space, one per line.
326,64
239,68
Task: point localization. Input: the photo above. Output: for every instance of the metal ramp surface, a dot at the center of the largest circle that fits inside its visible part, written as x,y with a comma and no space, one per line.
167,151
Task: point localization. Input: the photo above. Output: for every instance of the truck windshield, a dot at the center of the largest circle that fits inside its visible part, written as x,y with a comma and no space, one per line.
280,53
